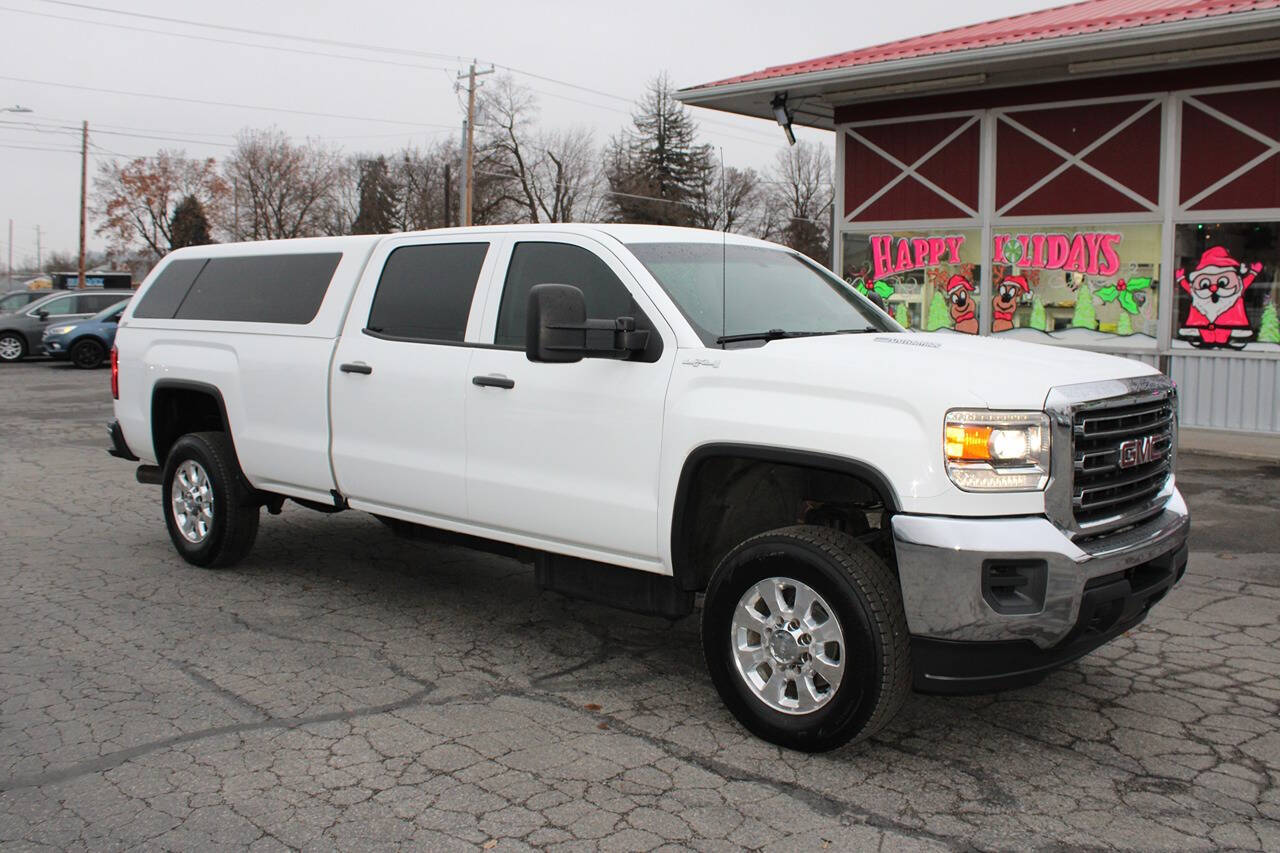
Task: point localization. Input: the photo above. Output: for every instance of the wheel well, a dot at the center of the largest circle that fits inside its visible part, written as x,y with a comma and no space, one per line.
179,409
726,497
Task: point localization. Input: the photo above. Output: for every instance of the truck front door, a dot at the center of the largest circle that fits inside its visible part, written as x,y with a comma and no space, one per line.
399,379
567,453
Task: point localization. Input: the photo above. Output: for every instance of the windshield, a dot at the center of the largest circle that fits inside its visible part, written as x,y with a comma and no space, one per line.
727,290
111,313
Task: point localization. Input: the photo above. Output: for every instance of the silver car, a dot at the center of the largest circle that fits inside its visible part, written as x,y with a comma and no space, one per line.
21,330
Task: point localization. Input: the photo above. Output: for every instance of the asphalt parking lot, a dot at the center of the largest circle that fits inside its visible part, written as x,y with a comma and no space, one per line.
343,688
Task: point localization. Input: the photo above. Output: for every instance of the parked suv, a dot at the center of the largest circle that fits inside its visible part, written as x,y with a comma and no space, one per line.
16,300
21,332
645,413
85,344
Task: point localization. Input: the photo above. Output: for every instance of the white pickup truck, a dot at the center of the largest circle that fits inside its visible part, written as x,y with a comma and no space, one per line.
648,413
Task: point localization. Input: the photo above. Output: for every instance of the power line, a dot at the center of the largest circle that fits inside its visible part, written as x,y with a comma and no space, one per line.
219,103
380,49
214,40
56,128
263,33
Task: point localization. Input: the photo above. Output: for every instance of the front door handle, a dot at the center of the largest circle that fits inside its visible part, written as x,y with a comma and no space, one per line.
493,381
356,367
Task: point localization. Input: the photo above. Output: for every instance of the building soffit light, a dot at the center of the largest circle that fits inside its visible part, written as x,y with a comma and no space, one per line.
913,87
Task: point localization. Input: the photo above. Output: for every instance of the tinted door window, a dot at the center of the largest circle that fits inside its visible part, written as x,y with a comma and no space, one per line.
425,292
92,303
260,289
560,263
59,307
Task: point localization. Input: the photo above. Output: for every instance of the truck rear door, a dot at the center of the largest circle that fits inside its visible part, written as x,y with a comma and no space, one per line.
400,374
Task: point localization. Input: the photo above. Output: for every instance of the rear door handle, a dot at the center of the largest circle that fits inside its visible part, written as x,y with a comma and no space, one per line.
356,367
493,381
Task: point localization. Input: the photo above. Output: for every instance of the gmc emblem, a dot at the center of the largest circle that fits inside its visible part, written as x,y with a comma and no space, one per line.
1139,451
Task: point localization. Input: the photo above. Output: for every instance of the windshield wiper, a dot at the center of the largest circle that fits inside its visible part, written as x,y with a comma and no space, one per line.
777,334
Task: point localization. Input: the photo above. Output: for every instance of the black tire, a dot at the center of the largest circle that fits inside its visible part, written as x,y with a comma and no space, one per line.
87,353
235,511
866,599
13,347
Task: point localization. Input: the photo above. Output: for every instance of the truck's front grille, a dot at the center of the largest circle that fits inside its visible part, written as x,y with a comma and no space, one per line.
1122,452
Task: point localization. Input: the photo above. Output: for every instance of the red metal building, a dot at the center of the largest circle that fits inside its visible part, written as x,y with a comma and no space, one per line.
1103,175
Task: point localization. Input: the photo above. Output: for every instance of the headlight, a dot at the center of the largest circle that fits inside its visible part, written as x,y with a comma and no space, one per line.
58,330
997,451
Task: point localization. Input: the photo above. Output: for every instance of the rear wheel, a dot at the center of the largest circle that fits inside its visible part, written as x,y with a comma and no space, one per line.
208,507
88,354
13,347
806,639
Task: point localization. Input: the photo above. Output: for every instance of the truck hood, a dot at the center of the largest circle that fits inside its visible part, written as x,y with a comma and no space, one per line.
1004,374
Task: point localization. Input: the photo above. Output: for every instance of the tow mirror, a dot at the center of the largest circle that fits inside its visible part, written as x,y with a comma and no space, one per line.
558,330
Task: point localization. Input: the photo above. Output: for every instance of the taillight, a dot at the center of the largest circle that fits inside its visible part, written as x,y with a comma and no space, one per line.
115,374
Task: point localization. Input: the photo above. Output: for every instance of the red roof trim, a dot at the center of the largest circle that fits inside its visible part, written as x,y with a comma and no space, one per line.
1092,16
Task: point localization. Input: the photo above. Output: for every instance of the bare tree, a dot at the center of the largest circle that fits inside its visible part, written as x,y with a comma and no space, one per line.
725,199
135,202
283,190
798,203
545,176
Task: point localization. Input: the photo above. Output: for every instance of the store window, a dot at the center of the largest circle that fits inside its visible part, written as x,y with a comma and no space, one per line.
1081,285
927,279
1227,286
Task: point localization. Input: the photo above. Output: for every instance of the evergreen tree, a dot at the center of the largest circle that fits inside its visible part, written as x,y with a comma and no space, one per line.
902,315
1037,320
655,169
1124,326
189,226
1269,330
377,199
1084,316
939,315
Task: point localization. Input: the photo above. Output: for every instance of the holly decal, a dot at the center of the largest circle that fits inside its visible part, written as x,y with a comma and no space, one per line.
881,288
1123,292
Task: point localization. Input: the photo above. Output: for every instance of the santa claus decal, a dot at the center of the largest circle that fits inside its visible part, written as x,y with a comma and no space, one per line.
1216,286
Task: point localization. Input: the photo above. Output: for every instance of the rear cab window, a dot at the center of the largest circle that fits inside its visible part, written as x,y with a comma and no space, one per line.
425,292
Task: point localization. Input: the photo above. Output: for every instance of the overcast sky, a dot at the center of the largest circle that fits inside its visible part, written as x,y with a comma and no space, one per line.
610,47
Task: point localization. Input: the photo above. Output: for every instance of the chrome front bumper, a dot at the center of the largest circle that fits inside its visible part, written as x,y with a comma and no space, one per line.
941,566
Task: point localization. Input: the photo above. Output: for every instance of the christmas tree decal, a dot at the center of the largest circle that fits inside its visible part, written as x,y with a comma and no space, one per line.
1269,331
1124,326
902,315
939,316
1037,320
1084,317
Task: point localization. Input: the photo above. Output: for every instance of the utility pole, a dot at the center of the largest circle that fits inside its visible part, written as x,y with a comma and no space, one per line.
11,251
39,254
84,177
469,175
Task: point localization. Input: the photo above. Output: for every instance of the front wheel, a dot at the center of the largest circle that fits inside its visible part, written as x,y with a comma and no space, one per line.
806,639
208,506
13,347
88,354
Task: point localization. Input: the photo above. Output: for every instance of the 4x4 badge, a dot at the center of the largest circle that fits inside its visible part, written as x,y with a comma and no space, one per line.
702,362
1139,451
